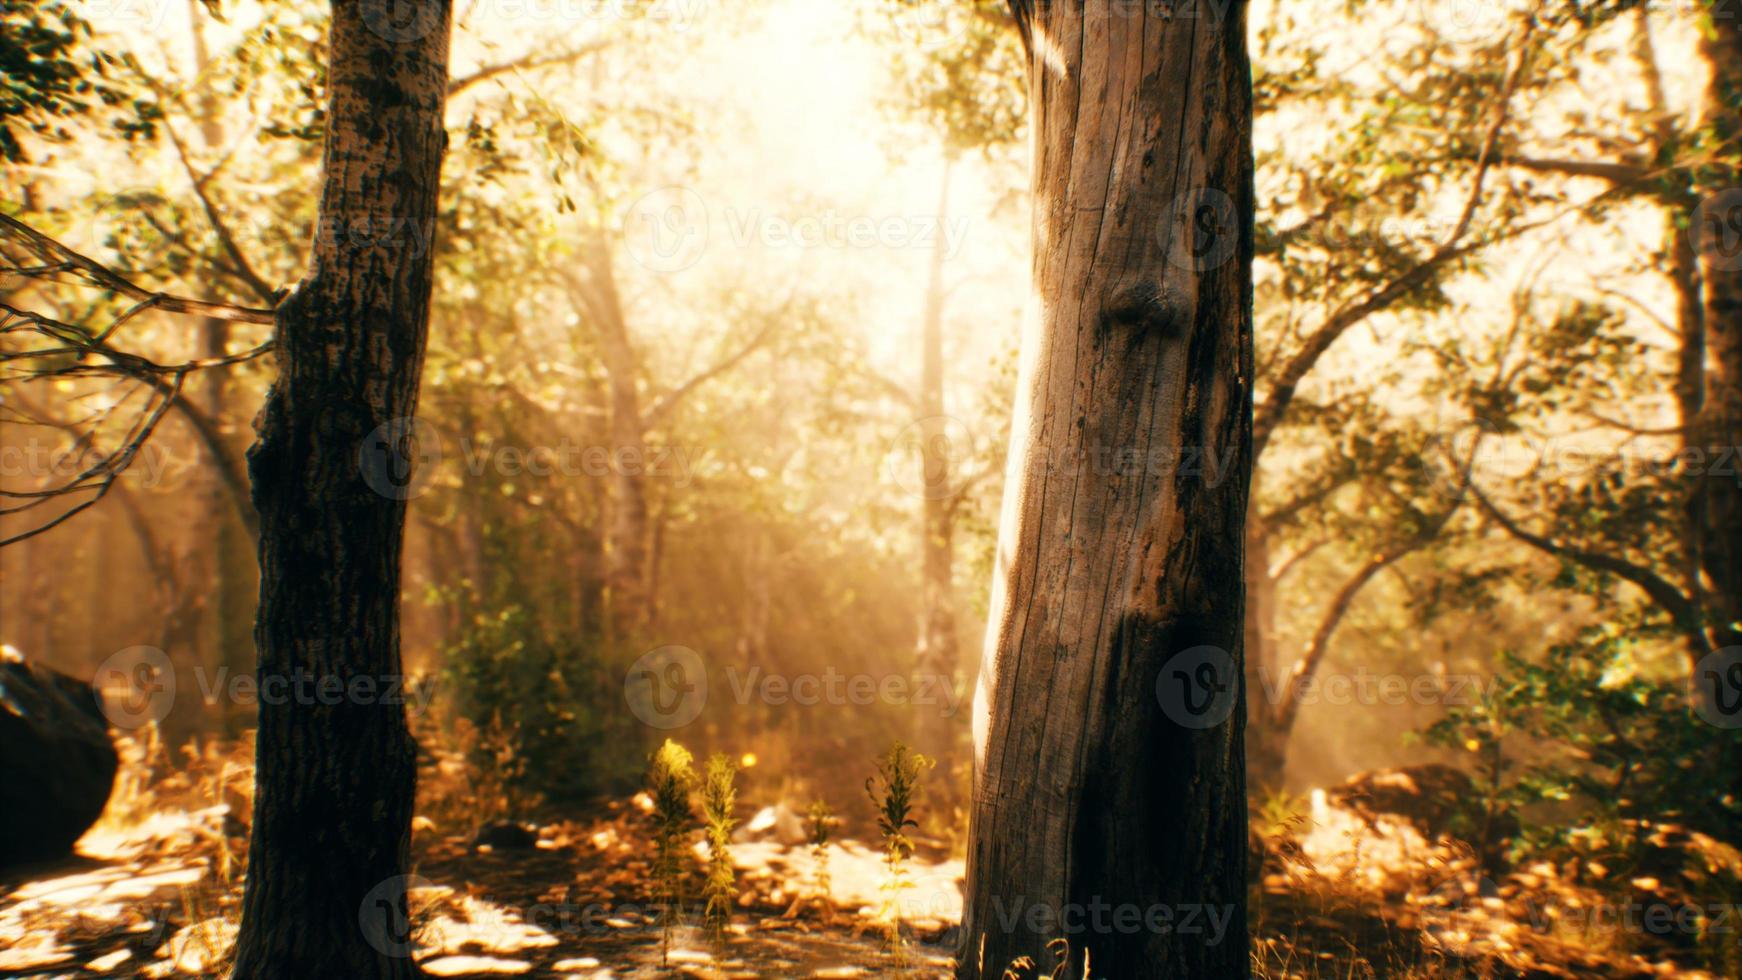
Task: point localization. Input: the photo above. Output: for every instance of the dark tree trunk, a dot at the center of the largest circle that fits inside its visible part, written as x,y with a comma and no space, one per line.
1109,793
1721,274
334,787
1719,497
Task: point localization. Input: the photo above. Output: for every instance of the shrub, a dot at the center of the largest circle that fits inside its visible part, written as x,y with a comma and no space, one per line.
669,779
894,791
719,796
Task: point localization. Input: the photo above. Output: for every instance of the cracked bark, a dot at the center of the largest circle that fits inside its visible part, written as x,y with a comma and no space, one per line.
334,783
1087,793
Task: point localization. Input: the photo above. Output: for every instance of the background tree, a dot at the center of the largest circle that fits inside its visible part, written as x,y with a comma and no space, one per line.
962,82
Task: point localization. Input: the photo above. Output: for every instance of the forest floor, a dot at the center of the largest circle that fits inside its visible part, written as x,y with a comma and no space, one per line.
157,895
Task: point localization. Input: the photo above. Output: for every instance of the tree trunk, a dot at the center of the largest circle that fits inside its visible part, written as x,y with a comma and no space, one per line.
626,565
325,895
1719,497
1721,273
1266,745
1110,803
234,575
938,653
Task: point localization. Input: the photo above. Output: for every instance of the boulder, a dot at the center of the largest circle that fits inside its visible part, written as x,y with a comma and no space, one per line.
506,836
1426,796
779,823
57,764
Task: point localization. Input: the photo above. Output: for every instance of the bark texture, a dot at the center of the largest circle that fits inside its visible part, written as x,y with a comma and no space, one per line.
1718,500
335,777
1097,808
1721,272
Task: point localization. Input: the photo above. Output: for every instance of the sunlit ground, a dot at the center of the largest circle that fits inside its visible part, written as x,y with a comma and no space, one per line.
1342,891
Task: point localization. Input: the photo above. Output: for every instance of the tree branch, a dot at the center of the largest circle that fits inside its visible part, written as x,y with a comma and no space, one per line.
1269,415
526,63
62,258
1670,599
671,399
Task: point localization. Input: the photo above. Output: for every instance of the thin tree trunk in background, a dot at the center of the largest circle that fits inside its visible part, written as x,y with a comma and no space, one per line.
234,572
626,536
1101,793
1266,746
335,782
938,653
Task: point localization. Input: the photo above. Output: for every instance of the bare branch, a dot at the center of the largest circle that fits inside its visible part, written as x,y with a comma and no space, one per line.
1670,599
62,258
673,398
527,63
242,268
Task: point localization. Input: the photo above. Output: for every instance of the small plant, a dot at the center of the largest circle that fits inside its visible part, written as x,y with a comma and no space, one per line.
894,791
719,797
1061,951
669,780
821,824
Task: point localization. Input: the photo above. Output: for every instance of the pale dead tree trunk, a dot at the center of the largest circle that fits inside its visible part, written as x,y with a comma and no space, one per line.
1103,798
325,895
938,653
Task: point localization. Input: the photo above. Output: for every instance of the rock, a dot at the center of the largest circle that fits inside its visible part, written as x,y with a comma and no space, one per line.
1438,800
57,764
1426,796
780,823
506,836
